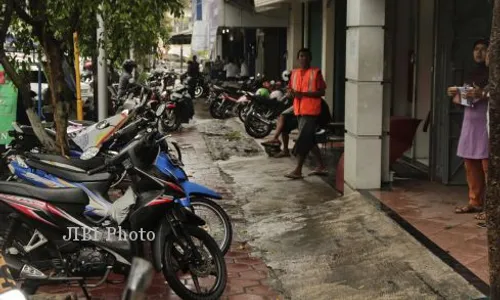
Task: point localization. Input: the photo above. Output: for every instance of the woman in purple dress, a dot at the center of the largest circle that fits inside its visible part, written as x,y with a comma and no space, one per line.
473,143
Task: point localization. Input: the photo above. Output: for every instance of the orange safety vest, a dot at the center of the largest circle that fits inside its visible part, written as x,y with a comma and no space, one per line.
305,82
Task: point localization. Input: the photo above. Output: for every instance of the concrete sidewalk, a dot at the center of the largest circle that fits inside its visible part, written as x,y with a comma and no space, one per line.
320,246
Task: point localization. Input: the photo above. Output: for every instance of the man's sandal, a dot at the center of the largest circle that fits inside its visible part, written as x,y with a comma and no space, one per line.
468,209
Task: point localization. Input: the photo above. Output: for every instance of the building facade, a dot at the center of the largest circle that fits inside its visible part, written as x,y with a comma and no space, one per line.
388,59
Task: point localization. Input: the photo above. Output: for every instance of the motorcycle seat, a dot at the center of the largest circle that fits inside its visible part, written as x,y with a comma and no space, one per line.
71,163
68,174
73,196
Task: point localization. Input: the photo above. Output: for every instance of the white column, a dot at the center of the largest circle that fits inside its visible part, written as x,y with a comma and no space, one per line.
305,31
260,60
218,41
327,52
364,94
294,34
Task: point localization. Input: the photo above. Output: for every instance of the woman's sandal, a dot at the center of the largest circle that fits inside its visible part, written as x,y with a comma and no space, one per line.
480,216
468,209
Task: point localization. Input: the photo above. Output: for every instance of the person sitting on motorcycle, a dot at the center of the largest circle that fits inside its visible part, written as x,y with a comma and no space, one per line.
126,78
287,122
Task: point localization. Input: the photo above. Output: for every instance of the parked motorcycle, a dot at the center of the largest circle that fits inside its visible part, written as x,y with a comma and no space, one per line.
179,109
55,171
148,205
261,117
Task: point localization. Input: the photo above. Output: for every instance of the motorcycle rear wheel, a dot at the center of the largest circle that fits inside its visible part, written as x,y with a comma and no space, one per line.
198,92
170,121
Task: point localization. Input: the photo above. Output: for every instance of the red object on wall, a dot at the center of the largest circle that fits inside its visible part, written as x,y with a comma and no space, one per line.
402,134
2,77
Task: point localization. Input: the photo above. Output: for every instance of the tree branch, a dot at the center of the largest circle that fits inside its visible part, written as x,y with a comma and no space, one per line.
21,12
4,27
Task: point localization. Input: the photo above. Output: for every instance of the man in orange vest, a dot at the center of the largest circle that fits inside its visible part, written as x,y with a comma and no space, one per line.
307,86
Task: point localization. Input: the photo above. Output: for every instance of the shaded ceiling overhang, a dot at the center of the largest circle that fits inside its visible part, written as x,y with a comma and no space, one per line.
181,38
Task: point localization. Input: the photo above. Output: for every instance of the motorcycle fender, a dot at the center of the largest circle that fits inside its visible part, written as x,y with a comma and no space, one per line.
161,234
194,189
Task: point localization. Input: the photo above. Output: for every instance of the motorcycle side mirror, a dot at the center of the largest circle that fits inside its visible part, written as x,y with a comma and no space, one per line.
160,109
89,153
141,274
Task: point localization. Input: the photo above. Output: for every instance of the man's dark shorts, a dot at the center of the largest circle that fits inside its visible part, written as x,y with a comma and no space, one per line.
307,134
291,122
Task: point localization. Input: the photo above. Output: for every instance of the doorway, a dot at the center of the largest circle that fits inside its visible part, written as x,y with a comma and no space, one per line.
461,22
413,58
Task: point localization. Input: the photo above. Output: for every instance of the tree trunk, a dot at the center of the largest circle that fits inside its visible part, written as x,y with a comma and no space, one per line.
23,88
60,99
492,207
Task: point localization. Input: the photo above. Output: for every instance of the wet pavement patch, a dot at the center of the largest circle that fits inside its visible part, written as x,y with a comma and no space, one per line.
224,141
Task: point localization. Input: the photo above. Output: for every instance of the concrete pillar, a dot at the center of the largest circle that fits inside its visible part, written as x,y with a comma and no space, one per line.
260,60
364,94
218,46
294,33
327,51
305,31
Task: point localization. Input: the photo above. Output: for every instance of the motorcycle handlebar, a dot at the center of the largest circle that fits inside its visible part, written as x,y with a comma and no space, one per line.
98,169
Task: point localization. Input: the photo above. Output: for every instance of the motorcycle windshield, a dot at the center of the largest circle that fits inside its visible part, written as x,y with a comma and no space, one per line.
95,135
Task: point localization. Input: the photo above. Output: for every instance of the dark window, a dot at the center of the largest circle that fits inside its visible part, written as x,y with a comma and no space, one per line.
198,10
34,77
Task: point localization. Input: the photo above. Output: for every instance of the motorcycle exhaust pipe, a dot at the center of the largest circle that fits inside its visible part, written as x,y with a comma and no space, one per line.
22,270
14,264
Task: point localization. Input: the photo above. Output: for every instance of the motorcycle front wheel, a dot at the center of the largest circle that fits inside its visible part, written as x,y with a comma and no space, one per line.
184,273
218,224
255,128
243,111
216,111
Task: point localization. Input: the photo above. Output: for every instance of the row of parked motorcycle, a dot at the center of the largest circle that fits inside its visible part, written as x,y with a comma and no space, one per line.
256,101
63,227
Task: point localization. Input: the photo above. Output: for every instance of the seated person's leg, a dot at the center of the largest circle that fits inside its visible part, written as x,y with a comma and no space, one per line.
290,123
279,127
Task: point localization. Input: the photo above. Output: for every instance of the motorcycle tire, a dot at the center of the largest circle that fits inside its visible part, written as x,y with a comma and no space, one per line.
250,128
242,111
170,266
215,111
170,121
199,91
198,203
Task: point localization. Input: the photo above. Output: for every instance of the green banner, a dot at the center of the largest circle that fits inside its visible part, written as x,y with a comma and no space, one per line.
8,106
